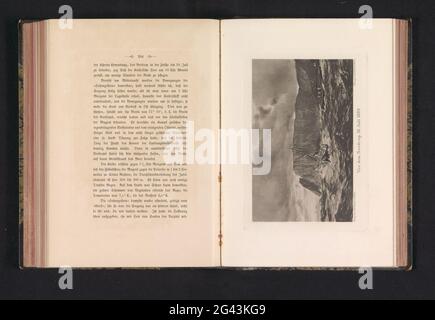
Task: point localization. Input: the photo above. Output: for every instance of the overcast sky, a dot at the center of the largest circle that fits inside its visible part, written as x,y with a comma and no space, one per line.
271,78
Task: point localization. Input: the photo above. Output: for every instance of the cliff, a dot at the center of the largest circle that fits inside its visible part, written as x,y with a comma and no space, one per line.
307,131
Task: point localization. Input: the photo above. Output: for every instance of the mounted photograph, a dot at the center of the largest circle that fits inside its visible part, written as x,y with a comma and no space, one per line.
308,106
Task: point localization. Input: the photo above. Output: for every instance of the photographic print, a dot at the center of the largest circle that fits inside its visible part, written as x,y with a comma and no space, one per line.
308,105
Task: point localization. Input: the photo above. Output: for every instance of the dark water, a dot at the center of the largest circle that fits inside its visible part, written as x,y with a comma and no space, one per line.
325,102
336,104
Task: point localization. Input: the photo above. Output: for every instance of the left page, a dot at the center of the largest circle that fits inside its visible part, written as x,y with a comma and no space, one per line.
115,88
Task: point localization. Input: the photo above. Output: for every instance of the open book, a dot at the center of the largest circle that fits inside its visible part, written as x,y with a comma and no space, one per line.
206,143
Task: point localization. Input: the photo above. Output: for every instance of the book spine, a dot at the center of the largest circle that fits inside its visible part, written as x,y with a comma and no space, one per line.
20,142
32,149
409,147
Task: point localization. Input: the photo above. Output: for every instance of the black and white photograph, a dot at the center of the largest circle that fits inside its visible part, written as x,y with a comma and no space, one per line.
308,106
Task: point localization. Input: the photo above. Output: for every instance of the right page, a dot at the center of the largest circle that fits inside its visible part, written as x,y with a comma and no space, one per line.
315,99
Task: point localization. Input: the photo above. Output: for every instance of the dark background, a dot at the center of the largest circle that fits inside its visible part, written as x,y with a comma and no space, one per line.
221,284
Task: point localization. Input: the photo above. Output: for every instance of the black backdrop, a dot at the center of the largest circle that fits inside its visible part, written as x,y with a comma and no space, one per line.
221,284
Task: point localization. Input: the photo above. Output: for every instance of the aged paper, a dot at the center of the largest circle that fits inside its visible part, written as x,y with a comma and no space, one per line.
115,87
328,201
